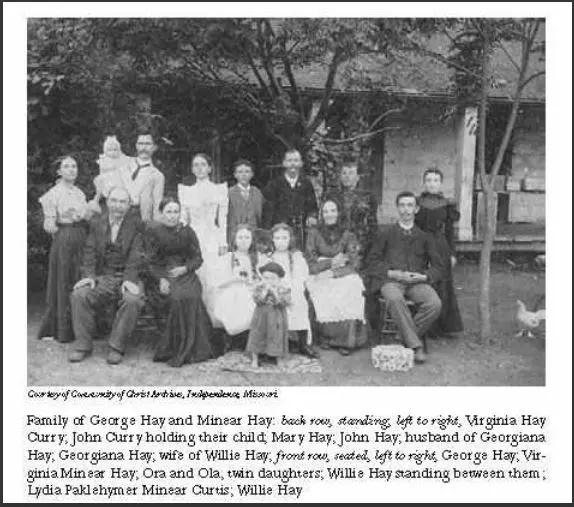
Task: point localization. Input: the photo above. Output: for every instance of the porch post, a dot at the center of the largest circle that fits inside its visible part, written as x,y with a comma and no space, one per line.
464,173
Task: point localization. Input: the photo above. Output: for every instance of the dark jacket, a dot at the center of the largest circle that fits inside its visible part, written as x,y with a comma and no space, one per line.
283,203
394,250
129,240
168,247
243,211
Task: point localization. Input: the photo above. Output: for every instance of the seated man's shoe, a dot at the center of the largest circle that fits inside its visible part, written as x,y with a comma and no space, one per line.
305,349
77,356
114,356
420,355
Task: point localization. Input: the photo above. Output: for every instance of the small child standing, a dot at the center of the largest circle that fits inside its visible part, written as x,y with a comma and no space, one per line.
269,333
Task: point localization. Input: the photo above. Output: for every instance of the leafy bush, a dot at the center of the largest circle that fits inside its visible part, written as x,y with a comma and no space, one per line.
38,250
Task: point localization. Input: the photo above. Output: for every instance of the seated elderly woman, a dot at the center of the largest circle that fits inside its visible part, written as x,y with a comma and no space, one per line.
335,288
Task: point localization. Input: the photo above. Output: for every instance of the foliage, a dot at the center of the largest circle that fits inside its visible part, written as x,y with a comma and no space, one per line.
239,84
261,65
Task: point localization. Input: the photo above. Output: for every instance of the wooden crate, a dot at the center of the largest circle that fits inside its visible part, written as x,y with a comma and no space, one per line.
532,184
527,207
513,184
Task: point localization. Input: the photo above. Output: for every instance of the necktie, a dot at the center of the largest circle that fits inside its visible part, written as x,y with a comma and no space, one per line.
114,229
137,171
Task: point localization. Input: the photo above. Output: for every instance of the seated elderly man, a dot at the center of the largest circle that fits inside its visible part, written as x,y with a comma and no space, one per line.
403,263
113,259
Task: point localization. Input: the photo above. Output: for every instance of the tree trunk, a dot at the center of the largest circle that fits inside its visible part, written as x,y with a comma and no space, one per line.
484,268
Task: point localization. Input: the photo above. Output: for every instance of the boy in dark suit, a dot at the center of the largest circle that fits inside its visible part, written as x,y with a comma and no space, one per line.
245,200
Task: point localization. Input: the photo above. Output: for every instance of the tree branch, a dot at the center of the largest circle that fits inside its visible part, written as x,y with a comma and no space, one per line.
282,139
296,94
535,28
328,89
328,140
258,75
446,61
382,116
531,78
507,53
266,59
482,113
525,58
292,48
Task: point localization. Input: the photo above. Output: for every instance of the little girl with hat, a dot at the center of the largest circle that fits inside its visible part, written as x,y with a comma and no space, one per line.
269,333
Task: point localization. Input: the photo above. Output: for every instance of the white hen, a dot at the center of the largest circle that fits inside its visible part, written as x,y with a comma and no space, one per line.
527,321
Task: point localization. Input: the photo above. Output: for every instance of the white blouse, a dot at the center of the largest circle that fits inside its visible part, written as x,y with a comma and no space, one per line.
64,204
204,208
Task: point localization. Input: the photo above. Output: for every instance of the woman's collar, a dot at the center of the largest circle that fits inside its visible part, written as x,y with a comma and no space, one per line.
430,194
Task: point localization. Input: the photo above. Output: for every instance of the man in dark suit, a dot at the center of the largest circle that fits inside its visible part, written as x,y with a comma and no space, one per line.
290,198
403,264
113,260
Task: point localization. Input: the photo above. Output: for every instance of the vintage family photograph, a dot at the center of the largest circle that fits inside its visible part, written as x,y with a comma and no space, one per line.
286,201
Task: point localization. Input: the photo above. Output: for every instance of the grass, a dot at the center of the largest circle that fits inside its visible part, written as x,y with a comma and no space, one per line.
508,361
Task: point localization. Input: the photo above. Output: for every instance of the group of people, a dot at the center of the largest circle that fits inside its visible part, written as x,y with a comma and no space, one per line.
197,259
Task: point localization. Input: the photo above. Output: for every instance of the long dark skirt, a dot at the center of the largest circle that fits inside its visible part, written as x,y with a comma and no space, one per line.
63,272
348,334
186,338
450,320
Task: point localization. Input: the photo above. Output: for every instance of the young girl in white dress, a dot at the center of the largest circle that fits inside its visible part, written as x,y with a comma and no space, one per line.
296,276
236,277
204,208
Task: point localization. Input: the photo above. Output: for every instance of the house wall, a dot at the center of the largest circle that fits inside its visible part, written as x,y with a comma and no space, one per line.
418,140
527,200
529,145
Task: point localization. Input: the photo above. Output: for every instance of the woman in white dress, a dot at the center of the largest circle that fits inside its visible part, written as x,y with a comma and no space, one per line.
204,208
296,276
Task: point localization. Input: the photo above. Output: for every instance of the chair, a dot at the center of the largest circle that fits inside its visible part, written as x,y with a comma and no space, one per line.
150,319
388,330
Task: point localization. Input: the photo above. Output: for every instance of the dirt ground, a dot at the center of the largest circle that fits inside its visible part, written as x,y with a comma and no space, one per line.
509,361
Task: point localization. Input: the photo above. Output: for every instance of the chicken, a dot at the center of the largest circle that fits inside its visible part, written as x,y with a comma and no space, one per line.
527,321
